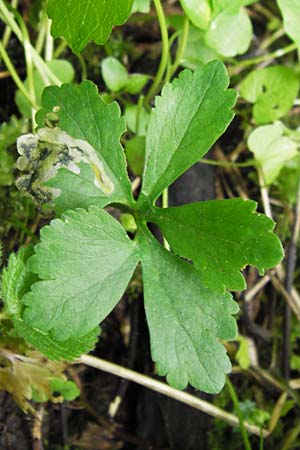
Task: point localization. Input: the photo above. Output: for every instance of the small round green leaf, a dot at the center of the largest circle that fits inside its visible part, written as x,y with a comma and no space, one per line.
230,33
272,90
198,11
114,74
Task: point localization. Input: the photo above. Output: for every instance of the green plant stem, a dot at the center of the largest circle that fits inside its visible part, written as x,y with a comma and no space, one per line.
235,401
271,39
39,43
7,31
14,75
259,59
291,437
211,162
264,193
49,42
139,111
181,47
83,66
159,75
29,66
165,51
60,48
261,441
39,63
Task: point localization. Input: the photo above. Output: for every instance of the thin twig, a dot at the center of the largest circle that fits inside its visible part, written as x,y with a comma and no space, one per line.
291,300
256,288
264,193
37,429
167,390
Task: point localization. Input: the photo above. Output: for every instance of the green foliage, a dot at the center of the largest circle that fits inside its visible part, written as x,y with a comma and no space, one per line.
100,16
220,238
31,377
67,389
272,149
114,74
272,90
15,283
199,12
175,138
73,298
227,27
6,168
135,154
242,355
290,10
191,351
117,78
63,70
9,133
197,51
287,180
252,414
84,116
85,259
142,6
230,33
137,119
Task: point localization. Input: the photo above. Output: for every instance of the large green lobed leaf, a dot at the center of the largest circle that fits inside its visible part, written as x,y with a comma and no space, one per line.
83,115
188,118
81,21
185,319
16,281
221,238
84,261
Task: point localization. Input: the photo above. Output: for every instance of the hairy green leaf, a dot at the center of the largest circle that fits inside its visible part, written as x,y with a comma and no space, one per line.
186,320
15,283
221,238
84,261
69,349
16,280
176,139
272,90
83,115
272,149
82,21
